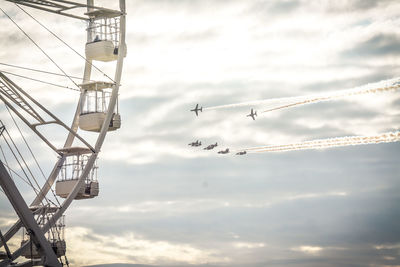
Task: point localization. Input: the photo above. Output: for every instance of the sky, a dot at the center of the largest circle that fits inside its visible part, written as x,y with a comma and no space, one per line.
165,203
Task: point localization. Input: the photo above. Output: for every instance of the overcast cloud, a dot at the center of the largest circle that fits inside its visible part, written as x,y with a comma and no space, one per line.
164,203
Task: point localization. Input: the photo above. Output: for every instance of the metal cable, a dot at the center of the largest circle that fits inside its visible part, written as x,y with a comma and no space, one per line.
33,155
11,171
19,163
23,160
37,70
6,162
36,80
27,35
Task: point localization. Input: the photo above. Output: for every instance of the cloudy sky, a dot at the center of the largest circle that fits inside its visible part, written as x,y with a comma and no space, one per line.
166,204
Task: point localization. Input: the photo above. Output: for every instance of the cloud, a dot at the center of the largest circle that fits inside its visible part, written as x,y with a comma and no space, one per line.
6,221
127,247
355,6
308,249
274,8
378,45
242,245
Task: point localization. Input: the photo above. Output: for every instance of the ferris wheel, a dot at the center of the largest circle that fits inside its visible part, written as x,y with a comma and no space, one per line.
74,175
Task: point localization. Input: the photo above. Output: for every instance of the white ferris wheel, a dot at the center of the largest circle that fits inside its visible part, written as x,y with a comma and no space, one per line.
74,174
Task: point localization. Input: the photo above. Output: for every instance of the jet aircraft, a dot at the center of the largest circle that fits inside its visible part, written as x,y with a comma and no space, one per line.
210,146
226,151
252,114
197,109
241,153
197,143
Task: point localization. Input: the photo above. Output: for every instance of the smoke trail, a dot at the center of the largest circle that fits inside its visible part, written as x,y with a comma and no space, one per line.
334,96
285,102
330,142
255,103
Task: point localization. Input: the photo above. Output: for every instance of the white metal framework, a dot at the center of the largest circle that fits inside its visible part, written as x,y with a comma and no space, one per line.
74,175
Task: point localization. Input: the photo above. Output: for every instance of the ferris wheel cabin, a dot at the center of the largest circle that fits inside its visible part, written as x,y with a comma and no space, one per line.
72,168
103,35
94,107
55,236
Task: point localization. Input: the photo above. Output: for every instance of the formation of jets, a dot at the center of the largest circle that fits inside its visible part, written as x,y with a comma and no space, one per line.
212,146
196,110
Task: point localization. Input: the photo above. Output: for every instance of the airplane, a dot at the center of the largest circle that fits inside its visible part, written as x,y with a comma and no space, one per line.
197,143
226,151
252,114
241,153
210,146
197,109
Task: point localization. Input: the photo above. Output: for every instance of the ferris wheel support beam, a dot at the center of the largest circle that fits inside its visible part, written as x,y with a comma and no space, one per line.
117,78
43,192
26,217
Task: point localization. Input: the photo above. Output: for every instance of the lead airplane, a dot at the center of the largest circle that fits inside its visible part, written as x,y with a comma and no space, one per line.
252,114
197,109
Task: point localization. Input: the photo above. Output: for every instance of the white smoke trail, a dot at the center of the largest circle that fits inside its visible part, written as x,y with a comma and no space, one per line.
285,102
329,142
332,96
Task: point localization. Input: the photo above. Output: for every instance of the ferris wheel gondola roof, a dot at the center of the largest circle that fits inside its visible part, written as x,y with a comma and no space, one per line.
70,151
96,85
101,13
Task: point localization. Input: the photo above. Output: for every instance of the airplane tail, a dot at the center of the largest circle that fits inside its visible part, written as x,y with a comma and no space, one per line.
201,109
255,113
